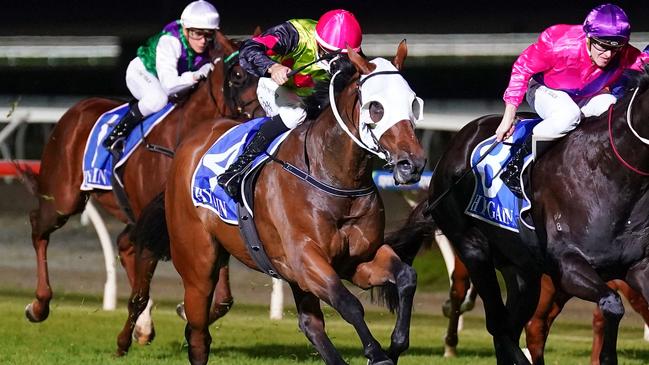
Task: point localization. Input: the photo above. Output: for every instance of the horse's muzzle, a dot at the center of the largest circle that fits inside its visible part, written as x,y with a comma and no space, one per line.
408,169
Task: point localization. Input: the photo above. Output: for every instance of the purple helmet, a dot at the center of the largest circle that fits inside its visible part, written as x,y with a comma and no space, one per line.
608,24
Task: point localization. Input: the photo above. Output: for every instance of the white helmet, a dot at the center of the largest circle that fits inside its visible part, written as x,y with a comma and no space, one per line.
200,15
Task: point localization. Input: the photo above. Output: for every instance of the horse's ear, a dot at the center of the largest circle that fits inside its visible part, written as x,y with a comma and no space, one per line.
226,43
402,52
362,65
257,31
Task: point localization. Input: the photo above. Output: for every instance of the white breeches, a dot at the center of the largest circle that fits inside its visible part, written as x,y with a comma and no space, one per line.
145,87
559,112
275,99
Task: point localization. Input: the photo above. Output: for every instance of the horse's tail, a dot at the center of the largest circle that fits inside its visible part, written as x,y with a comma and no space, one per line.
150,230
27,176
417,231
406,243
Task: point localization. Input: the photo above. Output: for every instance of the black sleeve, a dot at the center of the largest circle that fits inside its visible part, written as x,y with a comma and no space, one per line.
278,40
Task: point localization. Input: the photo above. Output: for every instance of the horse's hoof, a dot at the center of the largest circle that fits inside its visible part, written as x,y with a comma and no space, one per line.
180,311
120,353
450,351
31,315
143,338
382,362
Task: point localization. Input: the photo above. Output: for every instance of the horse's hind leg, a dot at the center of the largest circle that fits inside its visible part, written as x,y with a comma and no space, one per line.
52,213
523,290
538,327
145,265
452,309
312,324
222,300
321,279
144,331
387,269
578,278
473,250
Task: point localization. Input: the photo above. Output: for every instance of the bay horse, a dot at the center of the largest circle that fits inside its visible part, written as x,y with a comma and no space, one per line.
313,239
589,205
228,91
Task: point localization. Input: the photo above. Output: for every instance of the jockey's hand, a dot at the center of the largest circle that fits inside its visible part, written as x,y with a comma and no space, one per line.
506,127
202,72
279,73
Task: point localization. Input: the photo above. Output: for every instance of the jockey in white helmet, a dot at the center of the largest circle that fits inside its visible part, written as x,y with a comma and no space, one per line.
170,61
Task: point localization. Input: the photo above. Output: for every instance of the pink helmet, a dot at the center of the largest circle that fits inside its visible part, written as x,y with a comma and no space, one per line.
338,28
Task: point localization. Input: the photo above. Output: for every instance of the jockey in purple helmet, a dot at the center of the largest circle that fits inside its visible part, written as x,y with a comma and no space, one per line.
172,60
295,44
569,71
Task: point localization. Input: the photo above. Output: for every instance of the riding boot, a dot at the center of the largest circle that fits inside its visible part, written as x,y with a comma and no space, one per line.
123,128
512,172
230,179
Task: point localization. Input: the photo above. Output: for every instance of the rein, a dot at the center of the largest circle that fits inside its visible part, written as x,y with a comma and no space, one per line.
430,207
610,135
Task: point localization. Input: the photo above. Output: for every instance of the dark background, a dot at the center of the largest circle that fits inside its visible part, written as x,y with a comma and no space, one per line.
134,21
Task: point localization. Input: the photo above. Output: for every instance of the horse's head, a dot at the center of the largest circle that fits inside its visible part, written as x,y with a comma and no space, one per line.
386,115
239,87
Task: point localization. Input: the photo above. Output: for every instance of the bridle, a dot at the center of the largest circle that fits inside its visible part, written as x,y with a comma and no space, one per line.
635,133
232,89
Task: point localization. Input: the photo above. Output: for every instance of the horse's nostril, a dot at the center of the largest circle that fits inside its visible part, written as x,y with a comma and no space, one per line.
404,165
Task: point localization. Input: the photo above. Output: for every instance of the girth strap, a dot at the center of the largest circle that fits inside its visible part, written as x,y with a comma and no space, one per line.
253,243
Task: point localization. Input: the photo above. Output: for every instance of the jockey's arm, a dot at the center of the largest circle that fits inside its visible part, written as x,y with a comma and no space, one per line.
168,52
505,129
278,40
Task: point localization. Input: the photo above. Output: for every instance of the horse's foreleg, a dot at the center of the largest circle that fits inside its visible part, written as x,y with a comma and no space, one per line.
312,324
387,269
578,278
145,265
321,279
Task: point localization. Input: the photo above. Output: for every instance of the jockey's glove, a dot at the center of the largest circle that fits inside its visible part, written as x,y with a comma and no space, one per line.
202,72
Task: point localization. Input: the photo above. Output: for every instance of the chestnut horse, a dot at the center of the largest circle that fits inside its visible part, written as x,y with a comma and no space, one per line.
600,168
228,91
312,238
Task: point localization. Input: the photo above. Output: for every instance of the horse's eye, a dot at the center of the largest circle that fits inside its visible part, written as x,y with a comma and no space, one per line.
376,111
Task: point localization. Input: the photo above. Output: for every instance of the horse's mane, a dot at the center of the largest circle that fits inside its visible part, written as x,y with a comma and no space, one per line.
319,100
634,79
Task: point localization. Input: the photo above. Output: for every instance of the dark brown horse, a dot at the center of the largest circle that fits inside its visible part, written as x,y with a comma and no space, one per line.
313,239
228,91
537,329
601,235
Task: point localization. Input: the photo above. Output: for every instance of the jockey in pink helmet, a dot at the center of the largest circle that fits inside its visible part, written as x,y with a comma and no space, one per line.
302,44
571,70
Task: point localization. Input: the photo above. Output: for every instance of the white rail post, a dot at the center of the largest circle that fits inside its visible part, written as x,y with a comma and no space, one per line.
110,287
277,300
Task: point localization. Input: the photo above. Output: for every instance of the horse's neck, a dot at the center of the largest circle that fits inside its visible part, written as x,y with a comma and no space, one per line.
333,156
206,102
